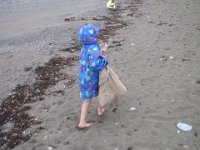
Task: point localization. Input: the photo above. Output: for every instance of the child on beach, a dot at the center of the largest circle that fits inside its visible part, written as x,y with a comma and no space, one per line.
91,62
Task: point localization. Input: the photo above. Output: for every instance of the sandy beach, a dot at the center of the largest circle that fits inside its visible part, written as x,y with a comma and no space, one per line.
153,48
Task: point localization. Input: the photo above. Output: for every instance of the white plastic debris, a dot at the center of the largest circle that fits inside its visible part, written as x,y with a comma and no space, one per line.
133,44
184,126
132,108
49,148
171,57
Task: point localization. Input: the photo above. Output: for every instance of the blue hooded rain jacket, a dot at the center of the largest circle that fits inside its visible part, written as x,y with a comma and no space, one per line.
90,62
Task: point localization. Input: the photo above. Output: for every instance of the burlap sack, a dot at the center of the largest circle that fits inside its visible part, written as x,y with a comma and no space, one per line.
110,87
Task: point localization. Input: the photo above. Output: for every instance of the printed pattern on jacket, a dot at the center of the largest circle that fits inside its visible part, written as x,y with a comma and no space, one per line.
90,62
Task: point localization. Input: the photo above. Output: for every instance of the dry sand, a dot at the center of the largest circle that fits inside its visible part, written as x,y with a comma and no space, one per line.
158,60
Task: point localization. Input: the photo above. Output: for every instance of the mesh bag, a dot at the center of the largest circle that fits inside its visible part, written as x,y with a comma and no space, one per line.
110,87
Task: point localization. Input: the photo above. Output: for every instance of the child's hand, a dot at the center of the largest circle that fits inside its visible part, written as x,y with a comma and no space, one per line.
104,48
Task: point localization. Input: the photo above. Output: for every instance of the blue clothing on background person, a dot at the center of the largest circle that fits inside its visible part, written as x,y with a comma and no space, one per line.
90,62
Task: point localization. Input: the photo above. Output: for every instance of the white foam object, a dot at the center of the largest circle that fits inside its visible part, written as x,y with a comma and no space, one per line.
184,126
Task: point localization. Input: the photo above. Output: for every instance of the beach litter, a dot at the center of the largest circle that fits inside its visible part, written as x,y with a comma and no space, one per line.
184,126
132,108
132,44
50,148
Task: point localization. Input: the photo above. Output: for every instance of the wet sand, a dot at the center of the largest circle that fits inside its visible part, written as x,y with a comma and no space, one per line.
156,56
33,33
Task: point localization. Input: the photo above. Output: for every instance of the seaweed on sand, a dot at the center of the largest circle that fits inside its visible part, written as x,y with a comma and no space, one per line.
13,108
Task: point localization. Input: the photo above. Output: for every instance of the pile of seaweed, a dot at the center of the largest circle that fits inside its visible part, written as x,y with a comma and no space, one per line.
113,22
13,108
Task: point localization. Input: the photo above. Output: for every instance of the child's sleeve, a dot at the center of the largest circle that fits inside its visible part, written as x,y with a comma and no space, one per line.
97,62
